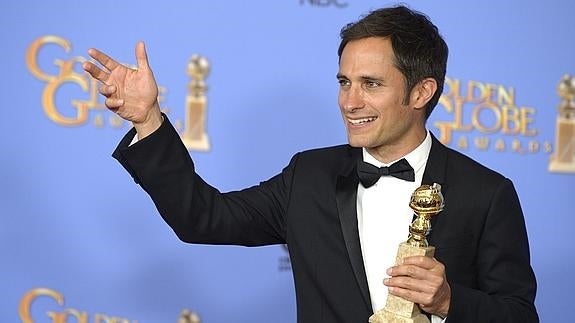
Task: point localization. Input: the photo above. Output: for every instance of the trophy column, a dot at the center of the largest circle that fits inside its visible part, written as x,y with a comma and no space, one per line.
426,202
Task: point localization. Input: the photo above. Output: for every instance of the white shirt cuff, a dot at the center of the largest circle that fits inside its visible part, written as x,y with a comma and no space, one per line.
437,319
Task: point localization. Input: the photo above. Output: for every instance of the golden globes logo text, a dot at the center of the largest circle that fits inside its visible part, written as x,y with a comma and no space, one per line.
59,314
486,116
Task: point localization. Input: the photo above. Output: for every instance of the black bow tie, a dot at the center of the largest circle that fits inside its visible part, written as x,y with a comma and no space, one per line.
369,174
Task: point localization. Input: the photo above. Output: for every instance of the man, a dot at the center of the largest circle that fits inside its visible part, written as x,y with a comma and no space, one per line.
343,233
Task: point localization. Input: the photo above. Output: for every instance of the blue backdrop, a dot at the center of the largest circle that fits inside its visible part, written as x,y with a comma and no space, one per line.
80,242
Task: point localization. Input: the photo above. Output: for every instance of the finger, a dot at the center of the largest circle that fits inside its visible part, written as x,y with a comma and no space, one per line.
421,261
95,71
411,295
107,90
103,59
436,302
141,55
406,270
409,283
114,103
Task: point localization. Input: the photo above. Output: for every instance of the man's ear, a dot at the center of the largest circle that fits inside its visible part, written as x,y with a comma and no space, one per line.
422,93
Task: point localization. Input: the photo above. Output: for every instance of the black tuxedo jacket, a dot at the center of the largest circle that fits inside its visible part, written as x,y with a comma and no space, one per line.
480,236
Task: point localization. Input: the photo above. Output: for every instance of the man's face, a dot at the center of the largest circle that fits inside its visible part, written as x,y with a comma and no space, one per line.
371,97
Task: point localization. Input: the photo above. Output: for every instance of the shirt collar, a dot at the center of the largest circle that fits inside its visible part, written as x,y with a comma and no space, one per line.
417,158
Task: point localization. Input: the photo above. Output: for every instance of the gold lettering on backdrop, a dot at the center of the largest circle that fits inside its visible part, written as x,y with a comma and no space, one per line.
65,75
28,298
63,315
487,109
563,160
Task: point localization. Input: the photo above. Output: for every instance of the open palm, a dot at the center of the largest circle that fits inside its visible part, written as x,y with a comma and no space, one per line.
131,93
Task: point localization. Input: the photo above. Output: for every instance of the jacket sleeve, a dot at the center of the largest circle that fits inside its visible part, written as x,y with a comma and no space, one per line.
506,283
196,211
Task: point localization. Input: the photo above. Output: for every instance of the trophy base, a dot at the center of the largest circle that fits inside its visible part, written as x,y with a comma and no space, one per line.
383,316
202,144
561,167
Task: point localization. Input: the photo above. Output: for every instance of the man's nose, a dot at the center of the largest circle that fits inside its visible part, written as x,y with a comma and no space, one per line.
352,99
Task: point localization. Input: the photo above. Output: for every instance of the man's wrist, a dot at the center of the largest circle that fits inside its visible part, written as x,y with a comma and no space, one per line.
151,124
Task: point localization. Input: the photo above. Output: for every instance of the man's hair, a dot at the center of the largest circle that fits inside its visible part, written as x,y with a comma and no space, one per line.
420,51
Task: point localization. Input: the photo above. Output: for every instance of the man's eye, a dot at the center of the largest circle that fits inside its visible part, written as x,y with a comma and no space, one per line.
371,84
343,82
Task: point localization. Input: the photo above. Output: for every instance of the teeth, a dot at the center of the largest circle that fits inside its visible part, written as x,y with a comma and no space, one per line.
361,121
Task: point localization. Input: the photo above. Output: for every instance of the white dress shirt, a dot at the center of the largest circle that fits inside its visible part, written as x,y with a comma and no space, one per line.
383,219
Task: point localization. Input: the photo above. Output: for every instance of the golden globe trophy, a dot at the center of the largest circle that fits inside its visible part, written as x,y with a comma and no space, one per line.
563,160
194,135
426,201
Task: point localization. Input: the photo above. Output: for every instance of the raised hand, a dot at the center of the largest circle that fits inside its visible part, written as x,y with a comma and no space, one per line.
130,93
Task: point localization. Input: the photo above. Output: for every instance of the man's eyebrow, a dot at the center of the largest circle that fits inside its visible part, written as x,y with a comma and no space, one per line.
363,77
371,78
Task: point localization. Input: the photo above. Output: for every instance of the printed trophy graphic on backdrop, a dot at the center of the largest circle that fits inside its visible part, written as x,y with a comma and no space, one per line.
563,160
426,201
194,135
188,316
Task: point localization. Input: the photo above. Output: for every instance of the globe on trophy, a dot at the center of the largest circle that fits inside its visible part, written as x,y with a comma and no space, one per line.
426,201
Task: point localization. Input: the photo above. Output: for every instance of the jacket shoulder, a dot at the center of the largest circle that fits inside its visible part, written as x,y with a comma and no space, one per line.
332,155
461,166
340,158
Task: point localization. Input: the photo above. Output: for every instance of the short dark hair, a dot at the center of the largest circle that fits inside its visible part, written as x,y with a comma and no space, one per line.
420,51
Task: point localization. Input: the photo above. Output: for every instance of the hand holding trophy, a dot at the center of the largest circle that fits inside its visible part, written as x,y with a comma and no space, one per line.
426,201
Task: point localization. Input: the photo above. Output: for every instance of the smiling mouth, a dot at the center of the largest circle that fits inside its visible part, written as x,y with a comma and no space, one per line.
358,122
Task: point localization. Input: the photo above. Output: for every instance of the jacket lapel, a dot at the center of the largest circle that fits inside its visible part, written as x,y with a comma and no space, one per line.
346,196
435,172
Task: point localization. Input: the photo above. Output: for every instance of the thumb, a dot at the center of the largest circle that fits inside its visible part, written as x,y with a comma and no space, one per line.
141,56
